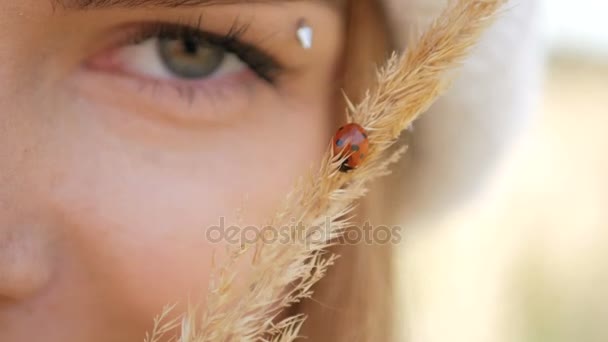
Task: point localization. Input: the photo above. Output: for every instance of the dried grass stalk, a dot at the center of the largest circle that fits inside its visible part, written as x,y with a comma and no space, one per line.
283,274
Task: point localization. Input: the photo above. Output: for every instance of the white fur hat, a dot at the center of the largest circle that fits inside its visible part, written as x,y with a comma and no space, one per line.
458,141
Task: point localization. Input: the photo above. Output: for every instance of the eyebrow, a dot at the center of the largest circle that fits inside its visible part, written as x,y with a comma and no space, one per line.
104,4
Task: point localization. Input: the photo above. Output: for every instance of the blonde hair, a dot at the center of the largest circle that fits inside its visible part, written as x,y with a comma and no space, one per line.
354,301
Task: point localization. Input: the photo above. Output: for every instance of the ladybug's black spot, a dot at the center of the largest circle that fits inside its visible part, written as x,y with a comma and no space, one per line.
365,135
341,128
339,142
345,167
354,147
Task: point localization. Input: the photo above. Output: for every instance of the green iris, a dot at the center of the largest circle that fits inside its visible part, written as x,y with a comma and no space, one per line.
189,57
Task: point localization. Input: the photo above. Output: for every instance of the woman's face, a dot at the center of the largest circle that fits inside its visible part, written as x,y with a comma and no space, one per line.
127,129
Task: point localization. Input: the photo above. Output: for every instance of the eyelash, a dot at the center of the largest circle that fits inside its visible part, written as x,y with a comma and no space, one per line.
260,62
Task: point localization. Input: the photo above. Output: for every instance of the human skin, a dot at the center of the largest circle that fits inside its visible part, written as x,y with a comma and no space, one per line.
109,175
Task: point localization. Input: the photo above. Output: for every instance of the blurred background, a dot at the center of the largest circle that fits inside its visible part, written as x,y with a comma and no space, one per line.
527,259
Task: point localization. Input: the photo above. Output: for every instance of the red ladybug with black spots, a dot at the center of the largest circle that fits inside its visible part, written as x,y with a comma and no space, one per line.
351,140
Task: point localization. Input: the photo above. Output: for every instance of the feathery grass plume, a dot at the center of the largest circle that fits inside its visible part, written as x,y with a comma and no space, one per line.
284,273
163,325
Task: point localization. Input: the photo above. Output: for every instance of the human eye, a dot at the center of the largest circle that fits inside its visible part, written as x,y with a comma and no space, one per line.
181,52
178,65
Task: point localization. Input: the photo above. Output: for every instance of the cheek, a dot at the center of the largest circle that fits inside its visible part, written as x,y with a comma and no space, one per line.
135,218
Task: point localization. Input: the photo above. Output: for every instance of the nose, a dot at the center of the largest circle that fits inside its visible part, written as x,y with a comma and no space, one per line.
26,233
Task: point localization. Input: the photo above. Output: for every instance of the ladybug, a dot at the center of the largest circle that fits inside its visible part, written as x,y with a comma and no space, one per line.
351,140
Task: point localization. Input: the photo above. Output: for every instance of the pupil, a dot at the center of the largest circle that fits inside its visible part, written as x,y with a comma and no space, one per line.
189,57
190,46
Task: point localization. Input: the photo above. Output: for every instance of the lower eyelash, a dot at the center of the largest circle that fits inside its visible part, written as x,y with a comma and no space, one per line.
190,104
